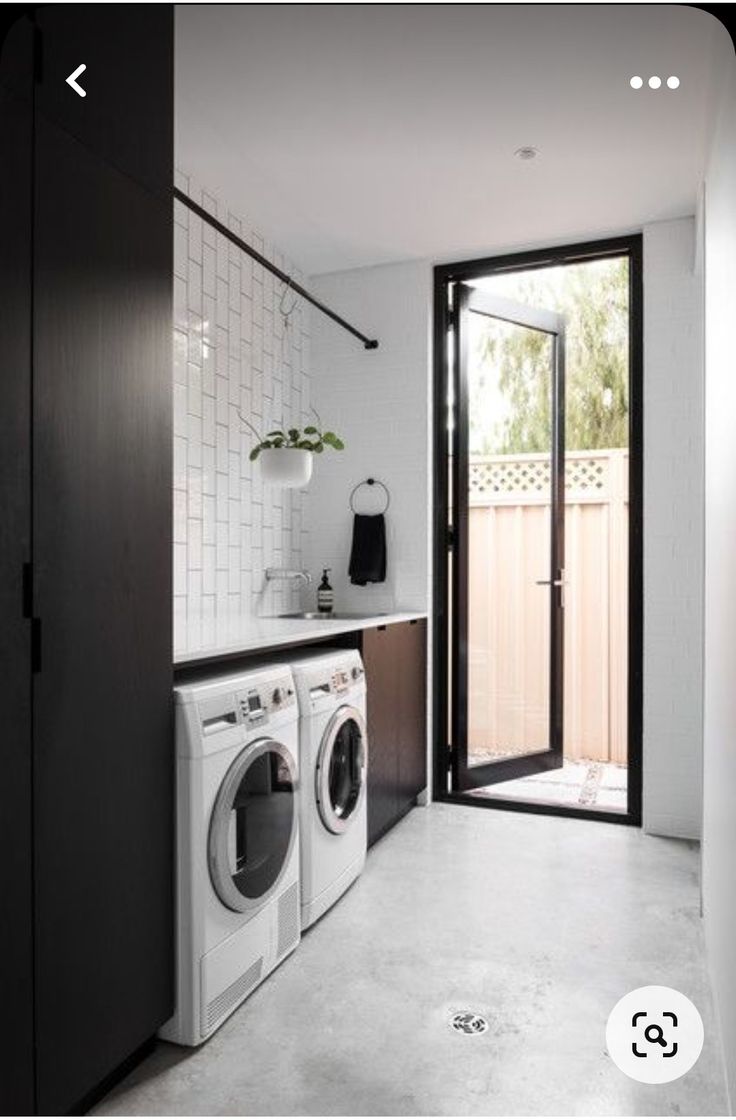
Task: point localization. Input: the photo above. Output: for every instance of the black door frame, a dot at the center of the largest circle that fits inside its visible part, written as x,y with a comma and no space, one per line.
444,275
466,301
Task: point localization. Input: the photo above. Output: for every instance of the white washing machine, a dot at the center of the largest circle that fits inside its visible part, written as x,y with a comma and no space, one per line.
334,757
237,910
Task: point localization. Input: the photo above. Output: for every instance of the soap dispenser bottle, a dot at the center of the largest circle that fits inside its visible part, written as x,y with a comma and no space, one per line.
325,594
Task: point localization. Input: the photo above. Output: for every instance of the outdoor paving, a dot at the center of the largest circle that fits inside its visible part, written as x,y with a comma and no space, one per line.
593,785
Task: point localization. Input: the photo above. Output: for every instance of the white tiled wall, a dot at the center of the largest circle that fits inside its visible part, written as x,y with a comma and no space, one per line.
379,402
673,530
230,356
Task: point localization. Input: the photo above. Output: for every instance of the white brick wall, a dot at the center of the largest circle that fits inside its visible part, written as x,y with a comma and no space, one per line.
230,356
673,530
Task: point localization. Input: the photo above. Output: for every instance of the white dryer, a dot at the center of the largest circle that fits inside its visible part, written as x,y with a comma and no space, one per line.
237,909
334,757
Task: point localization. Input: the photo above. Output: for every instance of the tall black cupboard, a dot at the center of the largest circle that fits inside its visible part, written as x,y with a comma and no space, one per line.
86,779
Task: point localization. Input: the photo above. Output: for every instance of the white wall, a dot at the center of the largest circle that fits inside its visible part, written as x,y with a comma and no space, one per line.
378,401
673,530
719,802
228,356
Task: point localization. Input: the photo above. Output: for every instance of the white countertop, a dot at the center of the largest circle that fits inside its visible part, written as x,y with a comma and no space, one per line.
246,634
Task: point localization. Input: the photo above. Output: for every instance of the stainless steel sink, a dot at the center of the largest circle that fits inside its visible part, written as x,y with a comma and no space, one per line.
331,616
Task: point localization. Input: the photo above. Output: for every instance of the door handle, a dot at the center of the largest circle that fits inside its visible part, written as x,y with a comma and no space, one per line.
561,583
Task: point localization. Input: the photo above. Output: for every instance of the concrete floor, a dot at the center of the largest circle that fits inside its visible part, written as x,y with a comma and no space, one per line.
592,785
539,923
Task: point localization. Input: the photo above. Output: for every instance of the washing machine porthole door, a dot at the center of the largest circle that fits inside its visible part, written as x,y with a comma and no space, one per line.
341,769
253,825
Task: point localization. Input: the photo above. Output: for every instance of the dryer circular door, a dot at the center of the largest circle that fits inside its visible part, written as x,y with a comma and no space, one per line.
340,775
253,825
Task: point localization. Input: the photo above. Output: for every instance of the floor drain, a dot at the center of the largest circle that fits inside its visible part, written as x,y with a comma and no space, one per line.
469,1022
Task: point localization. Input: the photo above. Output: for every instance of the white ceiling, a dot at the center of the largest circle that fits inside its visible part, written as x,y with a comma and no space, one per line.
353,135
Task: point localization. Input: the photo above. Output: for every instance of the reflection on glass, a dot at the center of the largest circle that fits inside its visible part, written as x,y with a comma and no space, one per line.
260,824
510,440
346,769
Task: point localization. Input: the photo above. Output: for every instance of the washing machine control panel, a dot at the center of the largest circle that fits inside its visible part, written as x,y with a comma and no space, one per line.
251,705
257,704
342,677
340,680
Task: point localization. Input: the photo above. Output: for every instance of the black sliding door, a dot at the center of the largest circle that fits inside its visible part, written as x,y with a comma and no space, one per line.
87,459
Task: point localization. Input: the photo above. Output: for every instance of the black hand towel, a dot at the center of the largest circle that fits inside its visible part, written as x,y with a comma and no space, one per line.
368,554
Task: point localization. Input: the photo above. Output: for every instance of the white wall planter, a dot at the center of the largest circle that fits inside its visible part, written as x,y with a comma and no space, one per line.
286,466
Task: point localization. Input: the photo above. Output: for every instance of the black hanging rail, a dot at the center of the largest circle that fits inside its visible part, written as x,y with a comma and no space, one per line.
369,343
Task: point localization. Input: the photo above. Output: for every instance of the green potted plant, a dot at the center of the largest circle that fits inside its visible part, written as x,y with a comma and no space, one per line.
286,455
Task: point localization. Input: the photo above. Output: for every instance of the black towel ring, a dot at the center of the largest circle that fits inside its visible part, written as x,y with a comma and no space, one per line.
371,482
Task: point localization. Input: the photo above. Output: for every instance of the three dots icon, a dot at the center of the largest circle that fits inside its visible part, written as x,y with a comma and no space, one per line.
654,82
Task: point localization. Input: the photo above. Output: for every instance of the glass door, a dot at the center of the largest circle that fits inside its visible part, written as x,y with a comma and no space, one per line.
507,711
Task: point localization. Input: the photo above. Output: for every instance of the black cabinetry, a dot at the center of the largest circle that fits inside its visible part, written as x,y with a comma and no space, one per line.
87,946
16,928
395,666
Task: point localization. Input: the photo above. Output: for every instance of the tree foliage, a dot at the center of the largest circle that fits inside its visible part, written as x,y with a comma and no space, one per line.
510,383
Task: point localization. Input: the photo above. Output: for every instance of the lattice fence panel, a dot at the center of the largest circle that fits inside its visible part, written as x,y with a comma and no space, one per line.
503,475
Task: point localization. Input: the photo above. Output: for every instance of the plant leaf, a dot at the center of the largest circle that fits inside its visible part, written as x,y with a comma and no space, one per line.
277,433
338,444
254,454
319,447
310,430
294,435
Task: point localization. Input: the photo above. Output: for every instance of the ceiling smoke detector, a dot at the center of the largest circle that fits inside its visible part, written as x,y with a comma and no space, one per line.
527,152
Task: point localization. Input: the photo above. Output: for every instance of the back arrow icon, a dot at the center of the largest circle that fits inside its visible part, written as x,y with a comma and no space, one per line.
72,80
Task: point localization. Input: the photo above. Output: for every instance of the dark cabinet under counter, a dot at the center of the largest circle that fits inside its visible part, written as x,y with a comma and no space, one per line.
395,659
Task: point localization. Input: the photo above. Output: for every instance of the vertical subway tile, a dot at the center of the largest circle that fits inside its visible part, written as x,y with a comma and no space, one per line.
195,389
181,419
233,357
194,442
180,569
194,543
208,421
195,238
181,356
208,470
208,569
180,462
